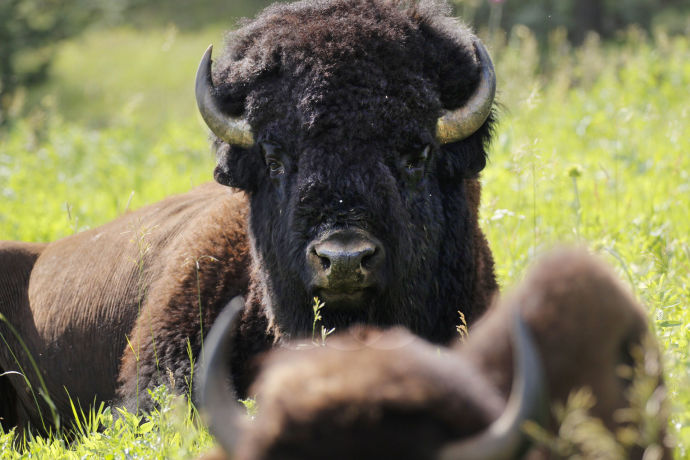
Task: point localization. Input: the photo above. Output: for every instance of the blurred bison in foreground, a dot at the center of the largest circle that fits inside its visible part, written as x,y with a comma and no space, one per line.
354,131
372,394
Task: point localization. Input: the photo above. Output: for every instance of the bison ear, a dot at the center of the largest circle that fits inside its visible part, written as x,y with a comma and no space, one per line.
467,158
236,166
224,108
452,66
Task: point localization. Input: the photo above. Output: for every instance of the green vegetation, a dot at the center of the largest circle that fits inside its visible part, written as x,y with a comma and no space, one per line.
29,33
169,433
591,149
578,17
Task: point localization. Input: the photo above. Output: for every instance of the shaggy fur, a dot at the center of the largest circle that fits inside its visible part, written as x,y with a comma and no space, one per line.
349,93
374,395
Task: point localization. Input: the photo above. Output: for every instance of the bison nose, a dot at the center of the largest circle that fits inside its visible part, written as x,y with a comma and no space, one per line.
346,260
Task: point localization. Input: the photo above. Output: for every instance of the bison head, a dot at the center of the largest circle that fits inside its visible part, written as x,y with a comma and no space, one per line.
357,130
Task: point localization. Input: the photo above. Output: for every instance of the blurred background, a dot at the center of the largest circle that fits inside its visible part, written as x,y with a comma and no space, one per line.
33,33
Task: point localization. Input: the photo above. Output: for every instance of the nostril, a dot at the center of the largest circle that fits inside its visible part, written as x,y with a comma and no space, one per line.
368,259
318,257
325,262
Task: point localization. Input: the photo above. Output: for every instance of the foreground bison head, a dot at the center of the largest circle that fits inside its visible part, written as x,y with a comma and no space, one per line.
357,130
372,394
381,395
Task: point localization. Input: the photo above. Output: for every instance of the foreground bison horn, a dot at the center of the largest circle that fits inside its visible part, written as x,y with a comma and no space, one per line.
504,438
214,390
453,126
233,130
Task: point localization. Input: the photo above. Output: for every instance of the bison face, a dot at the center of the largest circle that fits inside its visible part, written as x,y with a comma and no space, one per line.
353,130
357,225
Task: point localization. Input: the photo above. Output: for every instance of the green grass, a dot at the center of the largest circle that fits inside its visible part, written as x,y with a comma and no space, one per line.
602,160
171,432
592,148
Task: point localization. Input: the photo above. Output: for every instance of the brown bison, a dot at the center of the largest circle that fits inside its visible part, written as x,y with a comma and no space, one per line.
372,394
352,134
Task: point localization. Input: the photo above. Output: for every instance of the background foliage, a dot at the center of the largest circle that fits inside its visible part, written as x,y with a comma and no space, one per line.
605,17
29,33
30,30
591,149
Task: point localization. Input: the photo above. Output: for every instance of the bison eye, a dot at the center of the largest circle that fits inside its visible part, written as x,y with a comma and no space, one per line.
275,166
272,158
415,164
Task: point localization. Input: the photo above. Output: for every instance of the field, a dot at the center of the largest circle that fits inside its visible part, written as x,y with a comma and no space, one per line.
592,149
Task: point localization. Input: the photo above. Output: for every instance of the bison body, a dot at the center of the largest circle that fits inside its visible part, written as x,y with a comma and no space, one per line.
77,303
363,126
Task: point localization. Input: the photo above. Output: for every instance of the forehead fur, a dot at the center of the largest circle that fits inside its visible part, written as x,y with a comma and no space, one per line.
322,65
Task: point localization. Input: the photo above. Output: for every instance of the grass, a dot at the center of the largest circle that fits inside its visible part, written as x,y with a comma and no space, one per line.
171,432
591,148
601,159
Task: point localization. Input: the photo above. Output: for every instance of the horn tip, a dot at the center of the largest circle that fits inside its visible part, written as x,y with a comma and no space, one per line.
207,53
209,50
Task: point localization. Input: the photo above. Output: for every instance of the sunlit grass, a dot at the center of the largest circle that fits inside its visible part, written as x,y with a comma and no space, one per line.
601,159
593,150
170,432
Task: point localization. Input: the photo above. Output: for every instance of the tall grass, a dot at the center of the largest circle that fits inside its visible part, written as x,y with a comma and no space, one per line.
171,432
595,151
591,148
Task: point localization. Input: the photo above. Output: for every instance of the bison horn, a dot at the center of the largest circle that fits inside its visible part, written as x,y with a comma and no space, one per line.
504,439
453,126
214,390
460,124
233,130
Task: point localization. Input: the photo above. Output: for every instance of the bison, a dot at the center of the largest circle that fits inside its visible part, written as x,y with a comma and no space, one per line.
373,394
349,138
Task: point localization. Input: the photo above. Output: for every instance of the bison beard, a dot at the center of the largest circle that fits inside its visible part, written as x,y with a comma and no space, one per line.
368,121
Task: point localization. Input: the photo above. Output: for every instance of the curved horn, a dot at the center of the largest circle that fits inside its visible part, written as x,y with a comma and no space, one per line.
461,123
233,130
217,401
504,439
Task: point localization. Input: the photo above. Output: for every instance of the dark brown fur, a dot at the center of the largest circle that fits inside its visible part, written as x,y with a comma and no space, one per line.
584,321
344,100
377,395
